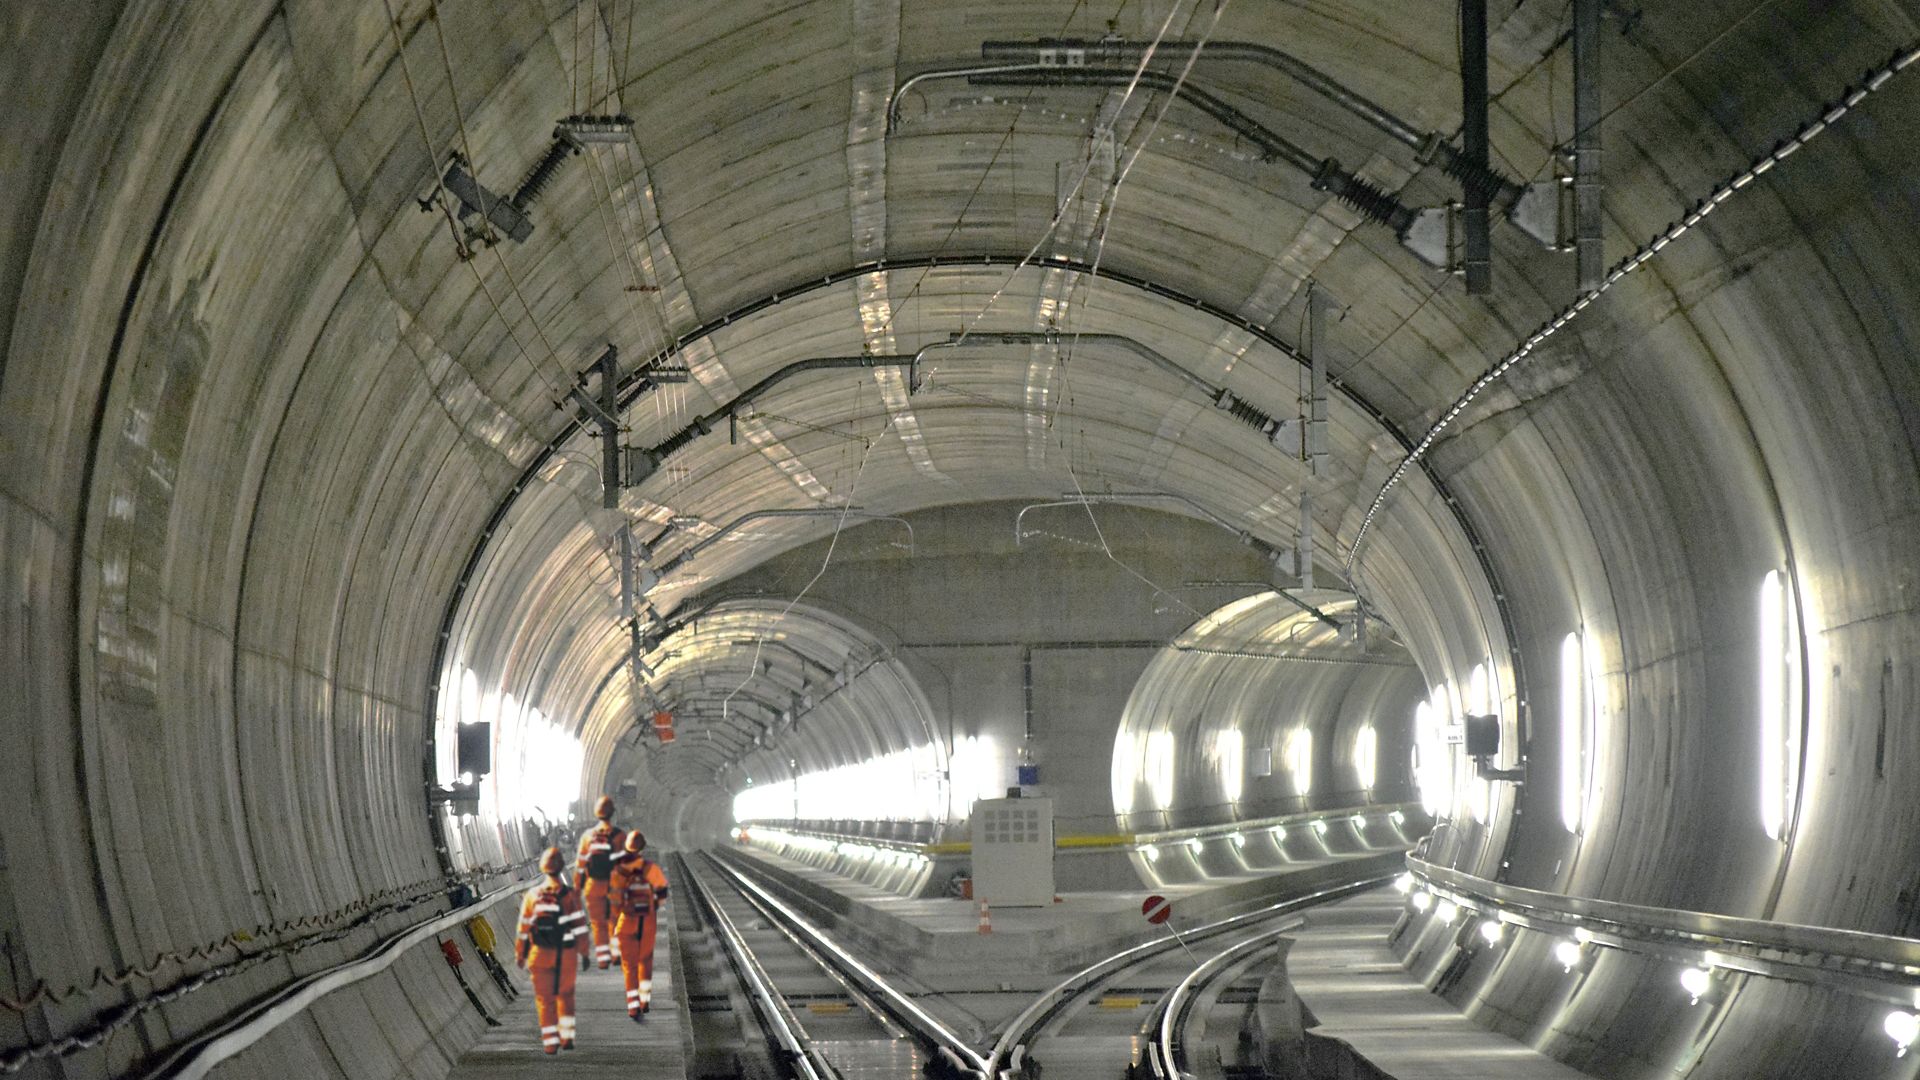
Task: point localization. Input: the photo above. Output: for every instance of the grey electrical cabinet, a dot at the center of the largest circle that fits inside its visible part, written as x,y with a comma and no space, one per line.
1013,852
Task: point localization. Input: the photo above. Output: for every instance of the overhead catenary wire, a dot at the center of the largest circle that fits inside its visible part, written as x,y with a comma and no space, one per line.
433,160
440,199
1053,226
466,145
993,159
1828,115
466,142
558,389
1110,201
1105,220
839,526
1556,143
1060,212
867,454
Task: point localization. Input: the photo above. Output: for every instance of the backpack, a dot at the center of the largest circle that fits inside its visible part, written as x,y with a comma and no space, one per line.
546,925
639,897
600,863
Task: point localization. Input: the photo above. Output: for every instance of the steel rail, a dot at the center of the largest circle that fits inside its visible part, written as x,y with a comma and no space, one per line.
1011,1049
945,1042
781,1026
1175,1007
880,1016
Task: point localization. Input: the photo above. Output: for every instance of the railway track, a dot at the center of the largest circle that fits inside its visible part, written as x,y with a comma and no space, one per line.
856,1020
1141,1013
1167,978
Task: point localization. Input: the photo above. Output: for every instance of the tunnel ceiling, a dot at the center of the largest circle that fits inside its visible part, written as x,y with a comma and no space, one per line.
278,458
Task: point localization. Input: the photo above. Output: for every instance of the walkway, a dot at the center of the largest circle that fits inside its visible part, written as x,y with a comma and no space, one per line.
1341,967
609,1044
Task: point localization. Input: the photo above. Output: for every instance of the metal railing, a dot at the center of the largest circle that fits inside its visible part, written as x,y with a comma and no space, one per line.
198,1057
1878,966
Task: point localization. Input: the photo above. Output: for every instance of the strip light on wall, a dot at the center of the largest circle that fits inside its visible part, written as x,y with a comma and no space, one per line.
1573,742
1779,698
1229,749
1366,756
1160,768
1300,759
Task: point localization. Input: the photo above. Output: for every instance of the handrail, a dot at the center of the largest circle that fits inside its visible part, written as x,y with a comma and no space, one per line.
198,1057
1256,824
1104,840
1857,960
770,1005
905,847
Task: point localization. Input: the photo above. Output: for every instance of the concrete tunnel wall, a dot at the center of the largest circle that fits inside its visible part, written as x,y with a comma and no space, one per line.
1089,635
1055,622
254,417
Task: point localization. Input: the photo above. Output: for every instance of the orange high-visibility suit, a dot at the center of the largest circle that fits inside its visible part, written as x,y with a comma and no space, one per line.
552,928
639,888
599,848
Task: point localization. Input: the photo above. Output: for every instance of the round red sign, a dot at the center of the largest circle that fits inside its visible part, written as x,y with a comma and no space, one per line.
1156,909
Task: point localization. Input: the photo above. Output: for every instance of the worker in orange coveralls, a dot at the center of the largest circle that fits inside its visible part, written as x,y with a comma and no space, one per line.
552,926
639,888
599,847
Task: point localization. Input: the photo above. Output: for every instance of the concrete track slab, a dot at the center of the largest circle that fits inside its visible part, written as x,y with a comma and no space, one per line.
1341,967
1028,946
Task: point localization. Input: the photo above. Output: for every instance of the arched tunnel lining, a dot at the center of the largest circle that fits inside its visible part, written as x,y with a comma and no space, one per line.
1258,710
848,700
287,682
1247,668
1447,551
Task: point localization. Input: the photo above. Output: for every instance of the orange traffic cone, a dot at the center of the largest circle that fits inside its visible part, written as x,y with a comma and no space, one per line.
986,921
